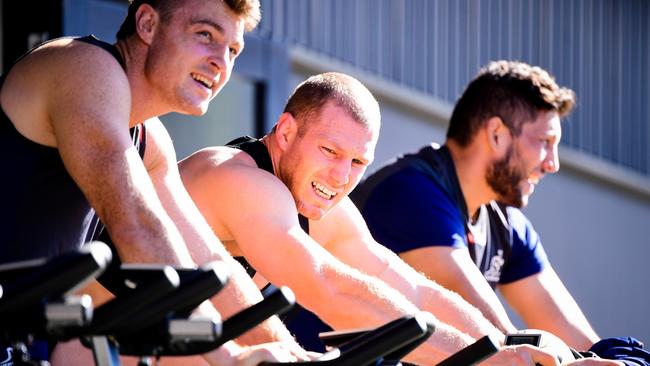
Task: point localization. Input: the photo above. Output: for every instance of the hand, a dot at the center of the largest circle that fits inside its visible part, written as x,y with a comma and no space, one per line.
594,362
522,355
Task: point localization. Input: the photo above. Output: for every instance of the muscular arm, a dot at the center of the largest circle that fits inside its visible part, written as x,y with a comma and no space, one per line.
453,269
89,106
355,246
561,315
256,210
203,245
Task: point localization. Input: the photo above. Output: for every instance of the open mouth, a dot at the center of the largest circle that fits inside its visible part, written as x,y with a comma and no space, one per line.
203,80
322,191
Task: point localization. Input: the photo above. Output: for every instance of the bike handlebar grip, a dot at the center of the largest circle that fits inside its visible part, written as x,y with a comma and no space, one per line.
40,280
205,283
196,286
118,314
472,354
276,302
368,348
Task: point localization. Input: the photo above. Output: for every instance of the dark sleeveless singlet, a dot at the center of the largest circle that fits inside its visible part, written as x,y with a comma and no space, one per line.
257,150
42,210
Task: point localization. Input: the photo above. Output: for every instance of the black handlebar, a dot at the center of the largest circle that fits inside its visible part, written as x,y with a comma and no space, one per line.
472,354
26,284
371,347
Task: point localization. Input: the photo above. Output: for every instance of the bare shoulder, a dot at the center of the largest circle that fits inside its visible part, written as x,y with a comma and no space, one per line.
217,160
224,182
60,78
64,61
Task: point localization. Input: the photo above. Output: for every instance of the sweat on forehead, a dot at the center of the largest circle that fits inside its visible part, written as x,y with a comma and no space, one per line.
340,89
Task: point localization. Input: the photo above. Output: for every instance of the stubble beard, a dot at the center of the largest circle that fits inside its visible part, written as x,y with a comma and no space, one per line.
504,177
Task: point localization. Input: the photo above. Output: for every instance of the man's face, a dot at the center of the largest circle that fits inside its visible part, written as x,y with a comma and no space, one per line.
326,161
530,155
192,54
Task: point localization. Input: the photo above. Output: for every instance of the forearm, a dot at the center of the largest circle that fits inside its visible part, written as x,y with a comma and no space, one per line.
574,331
444,341
241,293
492,310
451,308
446,305
359,301
144,237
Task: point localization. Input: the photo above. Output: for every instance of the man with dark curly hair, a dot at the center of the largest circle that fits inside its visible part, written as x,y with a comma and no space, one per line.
452,211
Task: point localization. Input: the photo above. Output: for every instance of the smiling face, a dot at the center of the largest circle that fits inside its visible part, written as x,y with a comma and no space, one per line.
531,155
192,53
326,160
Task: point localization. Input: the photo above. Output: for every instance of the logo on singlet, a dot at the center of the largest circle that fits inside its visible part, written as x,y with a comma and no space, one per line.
493,274
8,360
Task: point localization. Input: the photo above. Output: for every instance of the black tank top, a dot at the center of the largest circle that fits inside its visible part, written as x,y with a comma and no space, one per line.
257,150
42,211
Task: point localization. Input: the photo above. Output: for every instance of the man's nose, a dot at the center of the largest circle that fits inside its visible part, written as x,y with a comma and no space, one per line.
341,172
552,162
220,57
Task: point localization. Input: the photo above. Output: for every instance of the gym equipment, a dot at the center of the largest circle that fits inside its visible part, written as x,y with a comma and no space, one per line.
397,337
472,354
36,301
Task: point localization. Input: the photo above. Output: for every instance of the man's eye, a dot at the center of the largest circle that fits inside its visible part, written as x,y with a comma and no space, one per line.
205,34
328,150
234,51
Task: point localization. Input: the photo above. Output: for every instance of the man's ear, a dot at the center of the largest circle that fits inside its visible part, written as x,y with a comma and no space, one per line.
498,135
286,130
146,21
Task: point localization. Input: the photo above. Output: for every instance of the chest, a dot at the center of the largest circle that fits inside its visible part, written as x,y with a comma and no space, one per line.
489,244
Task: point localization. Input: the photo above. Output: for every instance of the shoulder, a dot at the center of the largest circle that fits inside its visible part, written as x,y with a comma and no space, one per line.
411,191
229,169
228,187
65,83
81,76
218,160
69,58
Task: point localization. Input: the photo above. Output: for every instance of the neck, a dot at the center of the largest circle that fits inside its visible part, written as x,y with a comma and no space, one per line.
471,165
274,150
143,105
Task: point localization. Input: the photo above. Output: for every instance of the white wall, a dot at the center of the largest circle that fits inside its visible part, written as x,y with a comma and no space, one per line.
598,238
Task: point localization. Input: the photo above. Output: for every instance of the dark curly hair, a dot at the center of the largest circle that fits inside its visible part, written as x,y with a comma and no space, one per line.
514,91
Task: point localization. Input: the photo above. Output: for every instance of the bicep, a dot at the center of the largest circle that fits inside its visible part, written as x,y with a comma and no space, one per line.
256,210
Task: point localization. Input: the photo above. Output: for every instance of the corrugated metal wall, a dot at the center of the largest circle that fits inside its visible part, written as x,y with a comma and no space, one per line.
599,48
